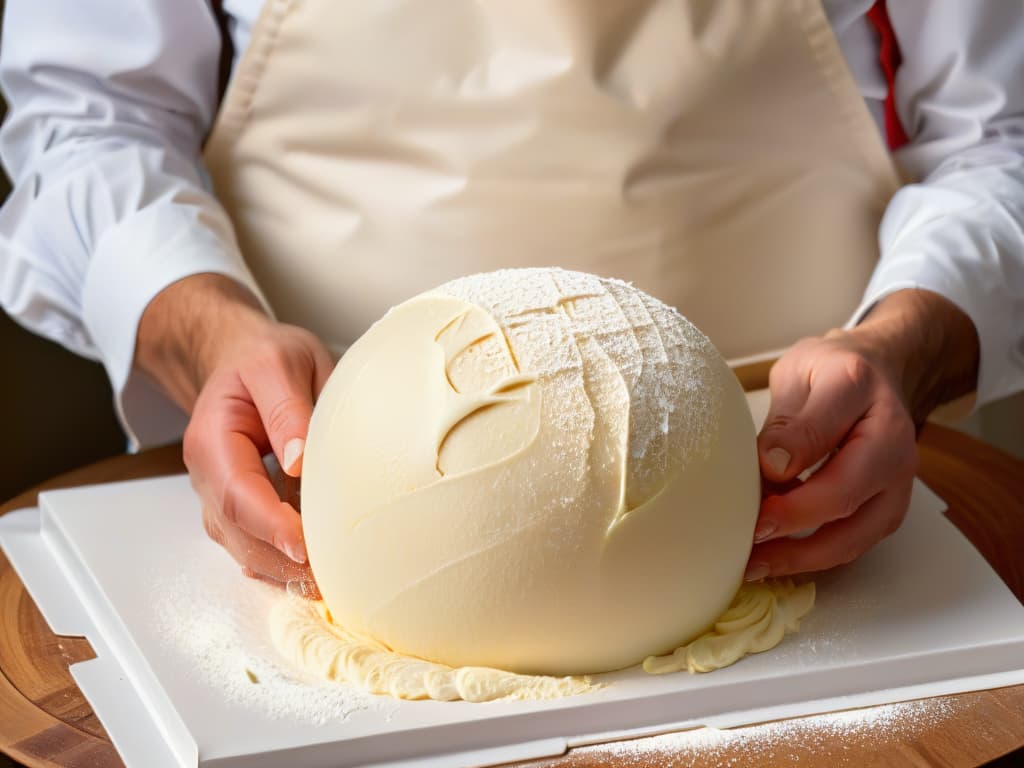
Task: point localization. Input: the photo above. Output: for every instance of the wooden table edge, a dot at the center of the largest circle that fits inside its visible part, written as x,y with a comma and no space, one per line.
15,708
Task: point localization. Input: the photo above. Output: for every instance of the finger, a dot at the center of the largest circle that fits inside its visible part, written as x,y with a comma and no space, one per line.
287,488
211,526
789,387
305,589
246,498
797,432
283,394
769,488
263,561
324,363
880,448
836,543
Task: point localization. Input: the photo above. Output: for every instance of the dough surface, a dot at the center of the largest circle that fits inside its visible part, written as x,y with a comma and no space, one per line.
535,470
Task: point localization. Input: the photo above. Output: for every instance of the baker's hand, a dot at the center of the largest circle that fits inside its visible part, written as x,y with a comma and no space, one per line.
256,382
831,397
855,399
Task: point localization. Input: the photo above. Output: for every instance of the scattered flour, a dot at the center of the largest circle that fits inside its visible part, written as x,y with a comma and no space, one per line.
220,628
218,625
840,735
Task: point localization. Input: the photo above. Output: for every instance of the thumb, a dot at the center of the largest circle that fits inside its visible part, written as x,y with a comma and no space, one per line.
806,422
282,392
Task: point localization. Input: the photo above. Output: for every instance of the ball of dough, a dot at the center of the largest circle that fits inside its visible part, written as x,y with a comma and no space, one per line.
536,470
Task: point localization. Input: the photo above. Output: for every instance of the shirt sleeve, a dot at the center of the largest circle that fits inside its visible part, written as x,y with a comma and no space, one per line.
958,228
109,104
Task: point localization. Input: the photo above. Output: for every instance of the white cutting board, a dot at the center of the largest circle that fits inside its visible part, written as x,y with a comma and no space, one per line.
922,614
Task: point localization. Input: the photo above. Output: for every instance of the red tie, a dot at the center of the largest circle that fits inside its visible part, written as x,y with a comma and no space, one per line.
889,58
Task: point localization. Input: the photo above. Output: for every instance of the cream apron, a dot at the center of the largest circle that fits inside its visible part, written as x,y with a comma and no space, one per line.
716,153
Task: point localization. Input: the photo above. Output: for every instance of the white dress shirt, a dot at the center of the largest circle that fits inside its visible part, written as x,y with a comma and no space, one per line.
110,102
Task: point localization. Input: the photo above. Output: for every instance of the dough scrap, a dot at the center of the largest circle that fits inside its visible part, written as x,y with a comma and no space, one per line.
304,633
759,617
761,614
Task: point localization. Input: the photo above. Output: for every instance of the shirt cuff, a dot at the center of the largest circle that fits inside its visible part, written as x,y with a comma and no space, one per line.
132,262
1000,358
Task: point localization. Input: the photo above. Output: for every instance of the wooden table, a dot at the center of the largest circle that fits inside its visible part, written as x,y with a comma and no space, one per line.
45,720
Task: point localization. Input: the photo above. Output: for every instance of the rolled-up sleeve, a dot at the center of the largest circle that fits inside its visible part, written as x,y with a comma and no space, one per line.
958,228
109,105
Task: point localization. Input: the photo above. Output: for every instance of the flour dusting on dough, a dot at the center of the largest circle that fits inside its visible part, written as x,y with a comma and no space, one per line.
533,470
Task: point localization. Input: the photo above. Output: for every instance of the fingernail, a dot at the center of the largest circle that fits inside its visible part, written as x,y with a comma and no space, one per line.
293,455
764,529
777,458
296,552
756,572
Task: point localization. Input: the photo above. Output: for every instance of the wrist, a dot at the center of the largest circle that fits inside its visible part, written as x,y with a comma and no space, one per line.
927,344
189,327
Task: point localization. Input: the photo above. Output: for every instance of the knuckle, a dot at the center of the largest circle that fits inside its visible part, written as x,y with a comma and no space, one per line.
860,374
784,367
324,358
911,462
847,555
190,446
284,350
846,505
898,413
282,415
813,439
780,422
213,531
906,456
783,372
277,541
306,339
230,503
268,354
892,525
776,422
889,524
806,443
279,356
905,434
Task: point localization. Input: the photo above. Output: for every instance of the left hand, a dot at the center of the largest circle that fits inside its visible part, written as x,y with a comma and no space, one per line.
838,397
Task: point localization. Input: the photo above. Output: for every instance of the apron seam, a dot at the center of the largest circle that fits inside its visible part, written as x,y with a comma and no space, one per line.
237,105
853,112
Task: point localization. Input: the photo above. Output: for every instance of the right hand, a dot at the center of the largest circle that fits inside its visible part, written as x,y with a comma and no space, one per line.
254,382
